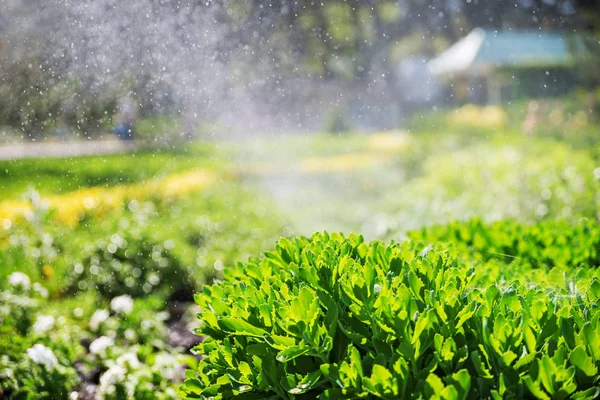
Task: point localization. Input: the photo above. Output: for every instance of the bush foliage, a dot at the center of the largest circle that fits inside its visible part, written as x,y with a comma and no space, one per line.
130,262
334,317
545,244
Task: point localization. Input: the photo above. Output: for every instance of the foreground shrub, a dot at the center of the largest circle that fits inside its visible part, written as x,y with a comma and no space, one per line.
334,317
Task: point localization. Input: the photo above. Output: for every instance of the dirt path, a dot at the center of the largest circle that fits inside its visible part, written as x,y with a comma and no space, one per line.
68,149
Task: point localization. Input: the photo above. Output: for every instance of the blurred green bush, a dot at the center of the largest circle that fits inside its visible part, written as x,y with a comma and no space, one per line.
39,104
130,262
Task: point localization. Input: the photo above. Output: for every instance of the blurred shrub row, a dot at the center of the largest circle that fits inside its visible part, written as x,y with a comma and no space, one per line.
572,119
36,103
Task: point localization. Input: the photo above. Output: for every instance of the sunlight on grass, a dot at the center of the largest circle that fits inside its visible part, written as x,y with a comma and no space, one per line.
339,163
387,141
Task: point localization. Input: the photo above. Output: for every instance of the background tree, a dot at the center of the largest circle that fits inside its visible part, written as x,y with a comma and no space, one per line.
217,59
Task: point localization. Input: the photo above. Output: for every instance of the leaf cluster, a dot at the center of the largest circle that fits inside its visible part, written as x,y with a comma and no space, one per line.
132,263
333,317
546,244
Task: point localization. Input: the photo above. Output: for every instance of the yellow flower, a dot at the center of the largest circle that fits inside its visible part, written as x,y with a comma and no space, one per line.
339,163
95,202
47,271
387,142
478,116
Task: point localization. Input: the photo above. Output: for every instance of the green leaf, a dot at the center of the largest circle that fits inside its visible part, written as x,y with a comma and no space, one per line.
435,384
479,365
529,338
535,389
355,360
508,358
448,350
304,321
549,329
525,360
594,290
245,368
547,370
258,349
465,314
415,284
591,337
381,382
592,393
194,384
423,322
463,378
237,326
292,352
280,342
583,362
307,383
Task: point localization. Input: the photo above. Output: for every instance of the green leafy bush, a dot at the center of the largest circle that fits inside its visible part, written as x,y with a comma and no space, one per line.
130,263
332,317
545,244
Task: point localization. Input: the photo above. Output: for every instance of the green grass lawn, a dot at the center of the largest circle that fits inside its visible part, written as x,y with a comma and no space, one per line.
63,175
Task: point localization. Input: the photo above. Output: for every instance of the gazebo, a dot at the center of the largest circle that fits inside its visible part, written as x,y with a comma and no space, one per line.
489,66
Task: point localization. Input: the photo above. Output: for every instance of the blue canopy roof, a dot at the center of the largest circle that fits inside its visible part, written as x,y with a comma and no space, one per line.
483,50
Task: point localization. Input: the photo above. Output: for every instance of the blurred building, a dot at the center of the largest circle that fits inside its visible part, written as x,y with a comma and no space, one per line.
417,85
495,66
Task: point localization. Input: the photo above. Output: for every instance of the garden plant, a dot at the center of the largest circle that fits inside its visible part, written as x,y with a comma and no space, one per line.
334,317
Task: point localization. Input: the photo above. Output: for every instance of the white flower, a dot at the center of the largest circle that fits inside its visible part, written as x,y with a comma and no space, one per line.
19,279
166,365
426,251
99,317
42,355
100,345
122,304
130,334
129,360
43,324
42,291
115,374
